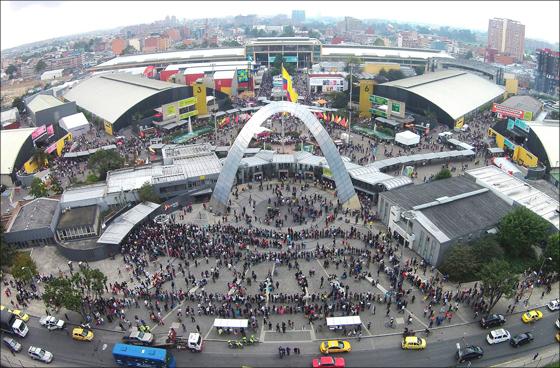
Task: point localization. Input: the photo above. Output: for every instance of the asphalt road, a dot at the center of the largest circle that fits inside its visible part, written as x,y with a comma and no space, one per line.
371,352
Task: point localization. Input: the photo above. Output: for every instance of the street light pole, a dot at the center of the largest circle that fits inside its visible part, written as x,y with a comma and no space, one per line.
214,93
350,109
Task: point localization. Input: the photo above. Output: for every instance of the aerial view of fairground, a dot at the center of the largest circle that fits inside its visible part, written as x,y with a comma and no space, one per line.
280,184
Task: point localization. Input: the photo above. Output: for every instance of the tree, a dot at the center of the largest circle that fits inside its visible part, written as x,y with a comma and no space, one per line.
520,229
340,100
379,42
11,70
146,193
461,264
19,104
39,157
7,251
230,43
288,31
23,267
105,160
60,292
56,187
38,188
129,50
443,174
40,66
498,279
91,281
419,70
394,75
469,55
552,251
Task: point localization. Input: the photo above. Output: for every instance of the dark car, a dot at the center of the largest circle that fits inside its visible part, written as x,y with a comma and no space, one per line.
12,344
469,352
521,339
492,320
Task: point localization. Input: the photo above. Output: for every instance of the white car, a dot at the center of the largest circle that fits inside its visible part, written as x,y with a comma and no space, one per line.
40,354
52,323
553,305
497,336
558,323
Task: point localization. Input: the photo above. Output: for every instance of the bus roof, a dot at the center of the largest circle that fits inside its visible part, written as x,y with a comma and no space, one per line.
139,351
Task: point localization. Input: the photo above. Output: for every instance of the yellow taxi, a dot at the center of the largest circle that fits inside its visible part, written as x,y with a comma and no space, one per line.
531,316
82,334
413,343
558,336
2,307
20,314
335,346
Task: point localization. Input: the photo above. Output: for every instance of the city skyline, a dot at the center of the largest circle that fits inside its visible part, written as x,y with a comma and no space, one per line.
60,19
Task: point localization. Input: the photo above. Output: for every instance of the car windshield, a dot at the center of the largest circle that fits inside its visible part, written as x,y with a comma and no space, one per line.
140,335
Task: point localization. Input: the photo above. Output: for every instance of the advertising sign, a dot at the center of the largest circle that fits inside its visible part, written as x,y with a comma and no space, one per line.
397,108
378,112
108,127
521,124
366,90
527,115
50,130
169,110
187,102
507,111
509,144
51,148
242,75
188,114
327,172
510,124
199,91
378,100
67,138
38,133
460,122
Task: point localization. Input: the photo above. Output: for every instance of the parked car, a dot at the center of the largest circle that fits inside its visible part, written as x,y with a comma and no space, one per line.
12,344
51,323
498,336
554,305
558,323
329,361
469,352
335,346
492,320
136,337
20,314
413,343
40,354
82,334
521,339
531,316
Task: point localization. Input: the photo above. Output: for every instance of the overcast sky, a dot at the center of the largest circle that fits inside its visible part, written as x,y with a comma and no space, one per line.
29,21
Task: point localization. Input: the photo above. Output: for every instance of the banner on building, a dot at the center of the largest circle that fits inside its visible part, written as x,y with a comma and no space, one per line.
199,91
397,108
108,127
50,130
527,115
188,114
522,124
378,100
505,111
187,102
366,90
38,133
51,148
510,124
169,110
242,75
460,122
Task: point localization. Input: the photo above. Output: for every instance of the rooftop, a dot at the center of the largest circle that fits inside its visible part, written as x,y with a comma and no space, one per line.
78,216
122,225
109,96
514,190
382,52
525,103
85,192
36,214
455,92
548,133
43,102
11,142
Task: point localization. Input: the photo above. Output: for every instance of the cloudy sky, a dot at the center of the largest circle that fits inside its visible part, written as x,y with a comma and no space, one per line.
29,21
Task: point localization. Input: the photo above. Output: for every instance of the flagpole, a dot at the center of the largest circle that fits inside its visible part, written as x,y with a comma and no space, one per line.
282,116
350,110
214,93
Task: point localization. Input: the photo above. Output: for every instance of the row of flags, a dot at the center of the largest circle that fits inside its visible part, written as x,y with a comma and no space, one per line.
332,118
237,119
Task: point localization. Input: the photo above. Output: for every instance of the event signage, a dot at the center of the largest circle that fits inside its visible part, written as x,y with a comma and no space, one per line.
50,130
187,102
188,114
378,112
38,133
51,148
510,124
378,100
508,144
507,111
397,108
521,124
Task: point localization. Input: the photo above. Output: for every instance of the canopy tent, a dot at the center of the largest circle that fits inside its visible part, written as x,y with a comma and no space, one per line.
231,323
407,138
343,321
76,124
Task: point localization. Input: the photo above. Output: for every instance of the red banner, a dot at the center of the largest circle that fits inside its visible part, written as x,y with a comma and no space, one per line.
51,148
50,130
507,111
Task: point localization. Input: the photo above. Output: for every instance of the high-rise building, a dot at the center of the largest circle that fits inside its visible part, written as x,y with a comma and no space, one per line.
298,16
547,78
507,36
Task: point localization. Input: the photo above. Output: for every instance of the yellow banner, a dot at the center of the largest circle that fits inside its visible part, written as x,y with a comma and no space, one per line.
67,138
187,102
108,127
524,157
188,114
199,92
366,90
460,122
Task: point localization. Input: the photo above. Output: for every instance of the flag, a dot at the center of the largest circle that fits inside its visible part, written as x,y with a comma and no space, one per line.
344,123
332,117
287,86
324,117
236,119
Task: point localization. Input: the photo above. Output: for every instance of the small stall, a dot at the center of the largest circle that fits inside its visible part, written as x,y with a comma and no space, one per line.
407,138
338,323
226,325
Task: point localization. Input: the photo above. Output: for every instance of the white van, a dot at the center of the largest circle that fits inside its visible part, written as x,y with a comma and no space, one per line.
497,336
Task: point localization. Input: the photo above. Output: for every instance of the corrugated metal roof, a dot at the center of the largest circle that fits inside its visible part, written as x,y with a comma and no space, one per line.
122,225
455,92
549,135
111,95
382,52
83,193
43,102
283,159
11,141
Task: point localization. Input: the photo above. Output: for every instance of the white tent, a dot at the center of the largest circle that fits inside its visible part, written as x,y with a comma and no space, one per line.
76,124
337,322
407,138
231,323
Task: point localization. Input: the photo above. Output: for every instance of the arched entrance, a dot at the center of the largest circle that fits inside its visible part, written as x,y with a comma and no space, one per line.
344,187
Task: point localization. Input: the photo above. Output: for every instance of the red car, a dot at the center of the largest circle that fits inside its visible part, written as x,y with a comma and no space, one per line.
328,361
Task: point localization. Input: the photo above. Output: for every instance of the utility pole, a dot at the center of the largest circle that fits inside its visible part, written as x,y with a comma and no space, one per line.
350,109
282,115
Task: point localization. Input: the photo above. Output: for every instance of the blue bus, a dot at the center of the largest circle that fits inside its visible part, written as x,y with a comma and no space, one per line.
142,356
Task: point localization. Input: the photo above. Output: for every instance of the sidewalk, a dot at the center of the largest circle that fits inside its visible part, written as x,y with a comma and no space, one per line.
540,359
